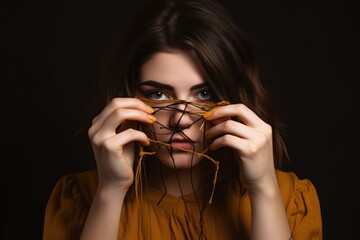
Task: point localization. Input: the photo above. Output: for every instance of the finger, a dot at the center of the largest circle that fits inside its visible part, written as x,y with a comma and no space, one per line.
230,127
126,137
122,103
240,111
118,117
218,120
231,141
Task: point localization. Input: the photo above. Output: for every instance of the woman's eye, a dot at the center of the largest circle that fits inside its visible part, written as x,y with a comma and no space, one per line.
156,95
204,95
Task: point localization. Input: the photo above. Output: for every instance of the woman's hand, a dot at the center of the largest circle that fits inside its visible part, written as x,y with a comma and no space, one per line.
251,138
112,135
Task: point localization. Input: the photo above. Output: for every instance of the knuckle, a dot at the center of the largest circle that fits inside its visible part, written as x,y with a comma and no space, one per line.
263,139
96,140
115,102
91,132
107,144
268,129
119,113
252,148
228,124
227,138
132,132
135,134
241,107
94,119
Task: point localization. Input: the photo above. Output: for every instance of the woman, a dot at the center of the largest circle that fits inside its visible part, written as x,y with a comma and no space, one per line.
188,145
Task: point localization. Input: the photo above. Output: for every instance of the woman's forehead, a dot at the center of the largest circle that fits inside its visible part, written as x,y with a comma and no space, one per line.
175,69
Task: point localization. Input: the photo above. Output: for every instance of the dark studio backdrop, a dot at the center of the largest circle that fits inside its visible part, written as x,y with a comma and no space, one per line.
308,56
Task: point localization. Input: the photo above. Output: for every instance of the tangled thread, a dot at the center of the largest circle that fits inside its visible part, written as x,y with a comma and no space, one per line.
198,109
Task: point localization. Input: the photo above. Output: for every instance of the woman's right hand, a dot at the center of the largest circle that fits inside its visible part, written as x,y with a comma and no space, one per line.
112,135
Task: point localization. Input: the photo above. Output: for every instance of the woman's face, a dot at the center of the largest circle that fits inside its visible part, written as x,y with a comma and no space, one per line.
174,76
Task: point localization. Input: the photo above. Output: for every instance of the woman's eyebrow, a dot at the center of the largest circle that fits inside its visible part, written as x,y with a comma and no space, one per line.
169,87
157,85
198,86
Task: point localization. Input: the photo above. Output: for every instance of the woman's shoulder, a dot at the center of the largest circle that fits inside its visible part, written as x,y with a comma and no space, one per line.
290,183
69,204
302,205
86,177
74,185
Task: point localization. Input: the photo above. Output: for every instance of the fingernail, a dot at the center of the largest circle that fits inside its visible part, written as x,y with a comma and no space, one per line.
151,117
149,108
208,114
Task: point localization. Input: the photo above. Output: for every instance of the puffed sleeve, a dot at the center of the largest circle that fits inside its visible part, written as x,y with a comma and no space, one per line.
67,208
303,207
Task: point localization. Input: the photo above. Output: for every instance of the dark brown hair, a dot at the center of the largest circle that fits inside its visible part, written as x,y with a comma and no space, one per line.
204,30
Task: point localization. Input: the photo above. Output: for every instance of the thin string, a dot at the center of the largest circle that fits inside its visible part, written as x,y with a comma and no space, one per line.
201,109
170,150
201,222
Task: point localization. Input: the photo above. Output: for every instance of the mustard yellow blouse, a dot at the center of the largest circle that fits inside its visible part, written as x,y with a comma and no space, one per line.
176,217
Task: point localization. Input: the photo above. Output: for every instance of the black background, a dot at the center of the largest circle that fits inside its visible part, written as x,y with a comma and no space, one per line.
309,60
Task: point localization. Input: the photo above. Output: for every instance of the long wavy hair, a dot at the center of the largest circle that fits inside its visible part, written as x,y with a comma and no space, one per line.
221,50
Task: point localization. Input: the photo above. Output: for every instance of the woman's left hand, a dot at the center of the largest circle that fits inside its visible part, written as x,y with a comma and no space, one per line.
251,139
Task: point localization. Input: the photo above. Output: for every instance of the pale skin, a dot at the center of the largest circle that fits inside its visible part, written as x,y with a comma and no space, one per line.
250,137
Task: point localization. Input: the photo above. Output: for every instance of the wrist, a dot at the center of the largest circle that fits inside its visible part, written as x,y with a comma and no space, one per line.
107,193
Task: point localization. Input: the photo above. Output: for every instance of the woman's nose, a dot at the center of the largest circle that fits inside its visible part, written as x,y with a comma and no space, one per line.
180,118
